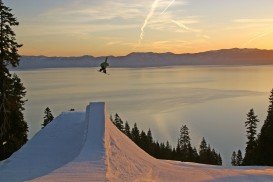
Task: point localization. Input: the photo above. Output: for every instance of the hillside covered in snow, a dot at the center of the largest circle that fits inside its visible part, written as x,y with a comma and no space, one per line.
138,60
86,146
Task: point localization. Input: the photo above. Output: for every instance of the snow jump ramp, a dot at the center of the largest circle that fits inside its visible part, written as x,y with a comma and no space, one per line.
86,146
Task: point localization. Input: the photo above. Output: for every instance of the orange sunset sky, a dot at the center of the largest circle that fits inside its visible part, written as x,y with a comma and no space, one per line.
92,27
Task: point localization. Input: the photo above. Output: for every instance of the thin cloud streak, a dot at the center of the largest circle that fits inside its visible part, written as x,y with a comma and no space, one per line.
184,27
146,21
168,7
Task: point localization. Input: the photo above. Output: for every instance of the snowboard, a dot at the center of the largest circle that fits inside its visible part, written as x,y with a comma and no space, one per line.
103,72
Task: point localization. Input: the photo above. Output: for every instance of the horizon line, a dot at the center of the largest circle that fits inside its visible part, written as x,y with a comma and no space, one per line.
149,52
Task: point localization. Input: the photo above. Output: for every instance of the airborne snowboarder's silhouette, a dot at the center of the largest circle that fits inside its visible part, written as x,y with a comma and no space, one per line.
103,66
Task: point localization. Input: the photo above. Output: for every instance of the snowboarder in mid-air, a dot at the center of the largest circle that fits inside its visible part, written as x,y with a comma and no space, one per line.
103,66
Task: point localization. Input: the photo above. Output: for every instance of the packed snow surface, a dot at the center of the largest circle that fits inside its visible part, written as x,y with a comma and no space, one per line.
79,146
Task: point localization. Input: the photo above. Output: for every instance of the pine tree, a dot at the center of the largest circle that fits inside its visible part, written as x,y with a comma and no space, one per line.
143,141
233,159
127,130
196,157
203,151
157,150
168,151
184,138
265,141
48,117
220,161
214,157
184,143
239,158
151,144
161,151
13,128
208,155
118,122
135,134
251,148
217,159
178,152
149,137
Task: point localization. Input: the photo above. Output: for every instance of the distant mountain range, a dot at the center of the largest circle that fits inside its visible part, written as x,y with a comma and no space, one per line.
137,60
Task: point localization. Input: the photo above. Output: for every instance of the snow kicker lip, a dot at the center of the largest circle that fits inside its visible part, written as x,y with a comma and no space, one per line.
90,162
65,150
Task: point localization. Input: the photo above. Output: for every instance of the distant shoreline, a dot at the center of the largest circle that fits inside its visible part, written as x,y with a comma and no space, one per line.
225,57
155,67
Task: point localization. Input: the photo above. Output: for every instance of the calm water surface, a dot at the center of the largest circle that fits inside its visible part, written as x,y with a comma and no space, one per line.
212,101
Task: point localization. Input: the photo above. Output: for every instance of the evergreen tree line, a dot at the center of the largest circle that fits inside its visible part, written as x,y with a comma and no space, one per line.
13,127
259,147
163,150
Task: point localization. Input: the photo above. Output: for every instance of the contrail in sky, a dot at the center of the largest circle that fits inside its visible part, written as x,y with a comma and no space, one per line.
181,25
148,17
168,7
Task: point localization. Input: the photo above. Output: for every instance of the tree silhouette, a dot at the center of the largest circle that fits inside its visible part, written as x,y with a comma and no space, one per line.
233,159
239,158
118,122
182,152
13,128
48,117
203,151
127,130
251,148
265,140
184,143
135,134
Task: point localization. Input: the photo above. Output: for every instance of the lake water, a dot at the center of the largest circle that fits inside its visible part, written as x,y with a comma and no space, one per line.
211,101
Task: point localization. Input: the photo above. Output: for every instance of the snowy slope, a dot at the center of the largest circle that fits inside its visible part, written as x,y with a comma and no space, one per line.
127,162
51,148
88,147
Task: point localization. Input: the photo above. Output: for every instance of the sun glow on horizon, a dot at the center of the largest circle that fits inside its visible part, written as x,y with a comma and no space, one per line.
88,27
